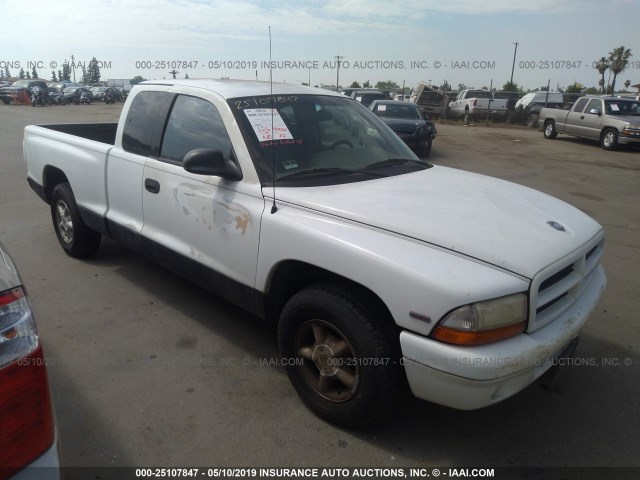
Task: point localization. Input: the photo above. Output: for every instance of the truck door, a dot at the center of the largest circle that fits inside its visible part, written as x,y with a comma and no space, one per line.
204,227
577,119
593,121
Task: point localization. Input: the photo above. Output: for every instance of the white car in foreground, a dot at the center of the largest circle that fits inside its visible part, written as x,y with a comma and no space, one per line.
28,436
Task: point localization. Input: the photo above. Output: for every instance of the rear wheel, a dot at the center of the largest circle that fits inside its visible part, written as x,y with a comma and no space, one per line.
609,139
550,130
342,356
467,116
76,239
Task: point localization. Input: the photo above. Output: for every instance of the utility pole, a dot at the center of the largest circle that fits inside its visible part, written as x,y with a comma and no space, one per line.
338,58
73,65
514,61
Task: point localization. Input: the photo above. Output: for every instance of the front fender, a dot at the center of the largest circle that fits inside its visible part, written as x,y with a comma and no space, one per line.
406,274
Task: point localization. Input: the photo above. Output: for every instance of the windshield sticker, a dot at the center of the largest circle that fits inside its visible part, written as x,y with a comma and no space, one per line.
262,119
262,101
289,164
614,107
382,108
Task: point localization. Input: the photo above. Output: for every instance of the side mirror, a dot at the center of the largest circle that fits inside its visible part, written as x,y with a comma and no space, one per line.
595,111
208,161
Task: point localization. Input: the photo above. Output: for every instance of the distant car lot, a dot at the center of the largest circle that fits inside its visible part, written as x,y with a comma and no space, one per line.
161,373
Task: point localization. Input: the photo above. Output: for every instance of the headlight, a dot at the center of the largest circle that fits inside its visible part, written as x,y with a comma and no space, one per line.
484,322
631,129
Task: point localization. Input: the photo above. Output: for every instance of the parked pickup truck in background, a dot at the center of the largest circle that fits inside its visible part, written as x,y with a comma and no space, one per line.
303,207
611,120
476,103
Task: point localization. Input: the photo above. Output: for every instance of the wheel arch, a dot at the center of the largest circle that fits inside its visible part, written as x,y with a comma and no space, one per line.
51,177
291,276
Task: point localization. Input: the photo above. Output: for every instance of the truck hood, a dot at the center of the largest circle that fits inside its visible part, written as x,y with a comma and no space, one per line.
625,119
495,221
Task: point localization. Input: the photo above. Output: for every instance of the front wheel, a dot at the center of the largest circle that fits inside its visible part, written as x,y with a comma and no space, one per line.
76,239
609,139
341,355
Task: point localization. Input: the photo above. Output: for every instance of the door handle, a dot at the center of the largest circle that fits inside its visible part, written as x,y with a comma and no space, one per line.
152,185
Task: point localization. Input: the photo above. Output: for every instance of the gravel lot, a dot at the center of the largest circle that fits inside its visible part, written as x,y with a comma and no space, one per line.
148,370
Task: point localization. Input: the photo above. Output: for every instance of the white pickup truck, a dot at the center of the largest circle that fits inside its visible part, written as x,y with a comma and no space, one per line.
301,206
476,103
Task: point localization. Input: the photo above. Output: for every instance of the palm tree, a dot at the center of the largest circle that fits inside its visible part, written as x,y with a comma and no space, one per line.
618,58
602,66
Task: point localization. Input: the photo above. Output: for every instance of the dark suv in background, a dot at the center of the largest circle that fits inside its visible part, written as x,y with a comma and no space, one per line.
7,93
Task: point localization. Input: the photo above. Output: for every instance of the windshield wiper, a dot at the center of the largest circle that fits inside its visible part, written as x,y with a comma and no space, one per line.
312,171
396,161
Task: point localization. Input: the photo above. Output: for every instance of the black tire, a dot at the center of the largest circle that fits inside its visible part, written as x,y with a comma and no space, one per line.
550,130
76,239
467,116
348,355
425,149
609,139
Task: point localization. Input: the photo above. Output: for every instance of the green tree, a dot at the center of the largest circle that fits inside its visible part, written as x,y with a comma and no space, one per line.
66,72
445,87
29,75
366,84
34,72
510,87
387,85
626,84
137,79
355,85
618,58
592,91
602,66
575,88
93,71
85,78
7,74
59,75
21,74
53,76
462,86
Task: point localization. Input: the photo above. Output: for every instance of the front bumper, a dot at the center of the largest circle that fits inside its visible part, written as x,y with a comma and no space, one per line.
469,378
626,139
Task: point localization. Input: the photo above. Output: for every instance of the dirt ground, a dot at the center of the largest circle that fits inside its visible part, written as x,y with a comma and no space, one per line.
126,339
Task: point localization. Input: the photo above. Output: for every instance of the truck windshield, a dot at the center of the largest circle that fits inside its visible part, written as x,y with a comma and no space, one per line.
622,107
319,140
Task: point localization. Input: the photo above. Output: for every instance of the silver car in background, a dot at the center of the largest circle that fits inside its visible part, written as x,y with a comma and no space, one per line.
28,435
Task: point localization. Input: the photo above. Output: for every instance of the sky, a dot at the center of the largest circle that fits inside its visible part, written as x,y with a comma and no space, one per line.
461,41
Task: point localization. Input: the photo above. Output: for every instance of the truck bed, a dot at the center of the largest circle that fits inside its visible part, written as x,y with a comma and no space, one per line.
80,151
98,132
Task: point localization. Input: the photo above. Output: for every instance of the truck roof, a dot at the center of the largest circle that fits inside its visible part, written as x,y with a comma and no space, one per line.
245,88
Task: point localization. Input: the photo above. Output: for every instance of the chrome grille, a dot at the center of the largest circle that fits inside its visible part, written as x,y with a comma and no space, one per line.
556,288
